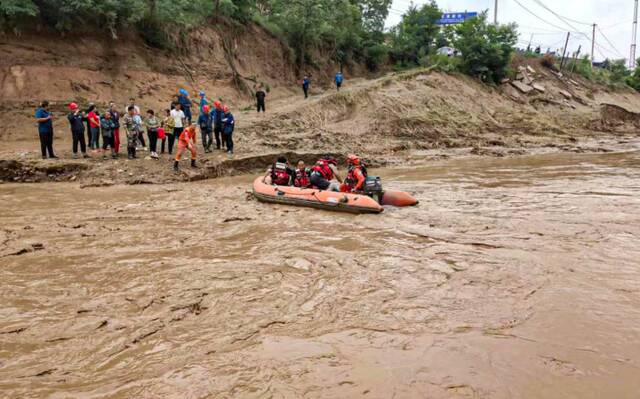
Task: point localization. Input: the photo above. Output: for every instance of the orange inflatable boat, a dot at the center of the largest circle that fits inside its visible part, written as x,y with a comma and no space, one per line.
331,200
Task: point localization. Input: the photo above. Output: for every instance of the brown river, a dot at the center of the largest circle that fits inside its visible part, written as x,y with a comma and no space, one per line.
513,278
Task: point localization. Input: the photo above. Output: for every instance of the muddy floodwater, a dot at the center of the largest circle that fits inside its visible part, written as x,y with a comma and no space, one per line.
513,278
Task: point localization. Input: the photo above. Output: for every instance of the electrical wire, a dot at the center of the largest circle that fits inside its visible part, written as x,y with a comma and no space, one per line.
540,18
562,18
609,41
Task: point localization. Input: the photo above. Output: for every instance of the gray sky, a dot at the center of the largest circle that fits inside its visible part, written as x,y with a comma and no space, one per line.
613,17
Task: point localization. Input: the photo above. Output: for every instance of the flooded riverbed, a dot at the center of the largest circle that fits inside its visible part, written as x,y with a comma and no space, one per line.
513,278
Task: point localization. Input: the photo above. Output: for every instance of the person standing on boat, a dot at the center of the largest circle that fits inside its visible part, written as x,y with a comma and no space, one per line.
323,172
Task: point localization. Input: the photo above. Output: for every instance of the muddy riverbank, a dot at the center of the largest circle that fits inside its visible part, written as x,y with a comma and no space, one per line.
101,172
515,277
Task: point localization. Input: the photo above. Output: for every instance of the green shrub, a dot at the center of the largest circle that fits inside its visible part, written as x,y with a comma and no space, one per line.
634,79
417,34
444,63
583,67
486,48
16,12
375,55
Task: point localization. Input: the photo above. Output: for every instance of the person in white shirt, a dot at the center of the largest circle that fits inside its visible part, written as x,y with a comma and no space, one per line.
178,116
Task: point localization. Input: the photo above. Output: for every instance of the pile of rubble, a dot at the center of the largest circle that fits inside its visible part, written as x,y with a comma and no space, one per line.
527,82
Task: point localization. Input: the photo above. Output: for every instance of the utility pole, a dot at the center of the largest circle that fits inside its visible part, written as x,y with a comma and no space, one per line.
495,12
593,43
564,50
632,57
576,56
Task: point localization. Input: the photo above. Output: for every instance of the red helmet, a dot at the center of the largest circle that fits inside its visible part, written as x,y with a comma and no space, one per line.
225,108
73,106
330,159
353,160
206,108
217,104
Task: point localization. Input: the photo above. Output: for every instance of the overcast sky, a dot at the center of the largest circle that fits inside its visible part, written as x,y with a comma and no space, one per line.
614,19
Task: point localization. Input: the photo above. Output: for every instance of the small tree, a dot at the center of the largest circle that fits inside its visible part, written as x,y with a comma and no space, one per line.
12,12
619,71
415,36
486,48
634,79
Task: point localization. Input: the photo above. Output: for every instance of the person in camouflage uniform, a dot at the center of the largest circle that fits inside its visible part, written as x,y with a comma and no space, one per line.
133,125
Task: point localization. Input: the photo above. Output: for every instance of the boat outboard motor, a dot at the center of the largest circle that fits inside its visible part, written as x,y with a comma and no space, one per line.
373,187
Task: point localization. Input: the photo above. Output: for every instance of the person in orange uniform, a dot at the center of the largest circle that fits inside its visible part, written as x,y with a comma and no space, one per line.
187,140
356,175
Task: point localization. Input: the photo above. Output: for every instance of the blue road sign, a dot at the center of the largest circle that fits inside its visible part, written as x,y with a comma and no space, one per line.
449,18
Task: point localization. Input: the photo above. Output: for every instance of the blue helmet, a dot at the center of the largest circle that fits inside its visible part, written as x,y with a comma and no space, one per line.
201,93
183,92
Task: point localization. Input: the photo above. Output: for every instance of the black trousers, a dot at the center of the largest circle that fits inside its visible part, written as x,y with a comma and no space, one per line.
172,138
306,91
141,138
153,139
46,144
207,138
107,141
261,105
217,132
228,140
78,139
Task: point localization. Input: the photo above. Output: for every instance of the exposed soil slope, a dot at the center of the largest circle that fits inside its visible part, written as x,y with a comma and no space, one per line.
388,119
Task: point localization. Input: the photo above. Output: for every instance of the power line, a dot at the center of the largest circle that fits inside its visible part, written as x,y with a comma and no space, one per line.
540,18
611,44
562,18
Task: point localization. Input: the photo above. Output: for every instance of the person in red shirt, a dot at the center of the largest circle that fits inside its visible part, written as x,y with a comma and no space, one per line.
94,127
187,140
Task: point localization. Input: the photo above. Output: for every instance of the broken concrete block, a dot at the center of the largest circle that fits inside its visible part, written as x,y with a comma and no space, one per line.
530,70
566,94
524,88
539,87
505,80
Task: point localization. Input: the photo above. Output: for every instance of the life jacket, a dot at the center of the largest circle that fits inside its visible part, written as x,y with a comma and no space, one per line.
302,178
322,167
188,134
351,180
279,174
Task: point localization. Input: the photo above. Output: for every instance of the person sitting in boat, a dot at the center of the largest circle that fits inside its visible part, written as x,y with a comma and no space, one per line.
323,172
356,175
280,173
301,176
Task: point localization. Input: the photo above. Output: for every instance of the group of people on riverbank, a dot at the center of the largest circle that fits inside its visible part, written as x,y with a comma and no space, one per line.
174,126
320,176
163,130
